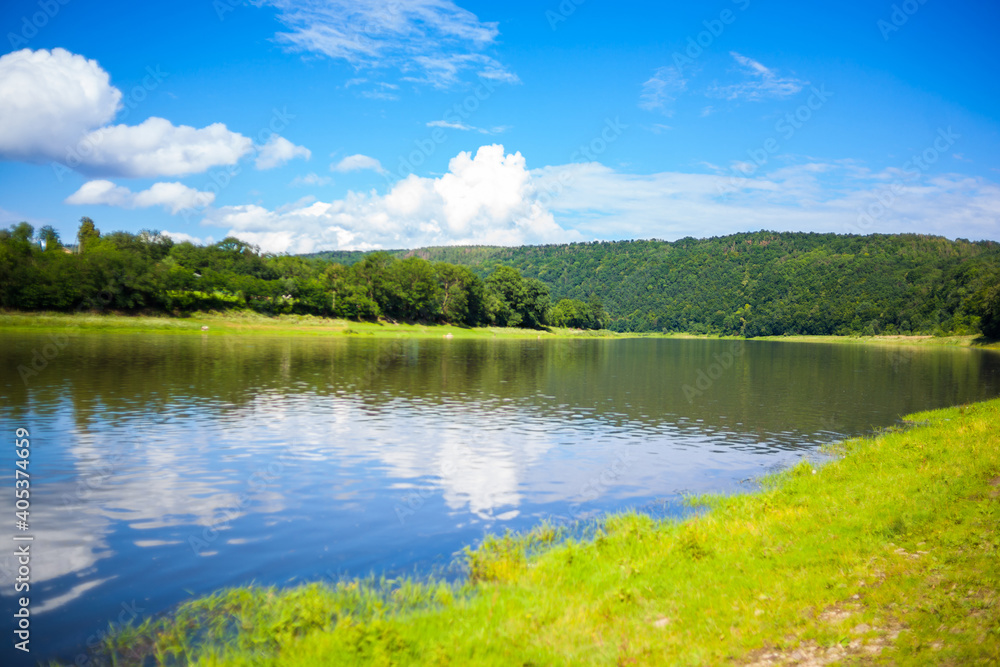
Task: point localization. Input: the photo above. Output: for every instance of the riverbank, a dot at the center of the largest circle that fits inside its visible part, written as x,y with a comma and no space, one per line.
249,323
971,341
889,552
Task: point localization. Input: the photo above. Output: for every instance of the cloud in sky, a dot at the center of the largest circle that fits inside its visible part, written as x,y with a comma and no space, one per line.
311,178
661,89
459,125
428,41
486,198
763,83
358,162
173,197
277,151
58,107
493,198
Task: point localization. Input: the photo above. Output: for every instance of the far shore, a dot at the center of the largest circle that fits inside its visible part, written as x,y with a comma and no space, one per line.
250,323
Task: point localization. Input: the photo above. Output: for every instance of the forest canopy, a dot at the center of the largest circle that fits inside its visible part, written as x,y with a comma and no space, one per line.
148,271
755,284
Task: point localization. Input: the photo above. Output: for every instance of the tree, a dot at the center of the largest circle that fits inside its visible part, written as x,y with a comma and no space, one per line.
505,294
87,232
514,301
461,293
989,317
50,237
414,292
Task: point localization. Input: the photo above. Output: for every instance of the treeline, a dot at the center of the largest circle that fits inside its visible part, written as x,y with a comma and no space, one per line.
765,283
148,271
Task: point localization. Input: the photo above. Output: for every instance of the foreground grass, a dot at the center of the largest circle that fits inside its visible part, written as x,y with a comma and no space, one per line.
887,554
249,323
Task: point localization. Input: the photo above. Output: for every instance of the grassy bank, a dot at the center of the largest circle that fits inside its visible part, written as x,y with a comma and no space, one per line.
888,553
249,323
308,325
975,341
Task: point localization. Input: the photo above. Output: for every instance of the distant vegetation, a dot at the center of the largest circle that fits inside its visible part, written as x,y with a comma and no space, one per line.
756,284
764,283
150,272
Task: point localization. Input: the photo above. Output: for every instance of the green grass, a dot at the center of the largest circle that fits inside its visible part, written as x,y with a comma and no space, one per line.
889,553
250,323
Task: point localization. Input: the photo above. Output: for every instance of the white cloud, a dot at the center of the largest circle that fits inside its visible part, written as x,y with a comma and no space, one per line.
459,125
311,179
431,41
50,100
492,198
156,147
599,202
764,82
358,162
662,89
57,108
171,196
487,198
277,151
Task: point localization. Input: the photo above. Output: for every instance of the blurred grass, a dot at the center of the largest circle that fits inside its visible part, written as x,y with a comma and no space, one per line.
246,322
889,553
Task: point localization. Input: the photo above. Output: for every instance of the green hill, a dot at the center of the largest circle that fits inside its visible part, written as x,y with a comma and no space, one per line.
761,283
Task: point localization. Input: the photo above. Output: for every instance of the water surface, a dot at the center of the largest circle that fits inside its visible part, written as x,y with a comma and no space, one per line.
165,466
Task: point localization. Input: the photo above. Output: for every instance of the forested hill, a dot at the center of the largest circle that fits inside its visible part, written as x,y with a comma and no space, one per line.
761,283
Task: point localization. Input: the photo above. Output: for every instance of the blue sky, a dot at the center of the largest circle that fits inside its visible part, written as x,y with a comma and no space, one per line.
322,124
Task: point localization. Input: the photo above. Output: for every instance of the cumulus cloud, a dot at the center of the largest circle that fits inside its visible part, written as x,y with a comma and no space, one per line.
430,41
58,106
50,100
156,147
358,162
492,198
172,196
277,151
763,83
486,198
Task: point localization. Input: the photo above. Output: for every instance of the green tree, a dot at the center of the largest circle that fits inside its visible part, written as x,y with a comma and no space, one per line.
50,237
461,294
87,232
989,316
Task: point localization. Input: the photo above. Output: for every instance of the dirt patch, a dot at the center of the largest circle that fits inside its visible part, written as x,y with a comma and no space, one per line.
865,641
995,482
